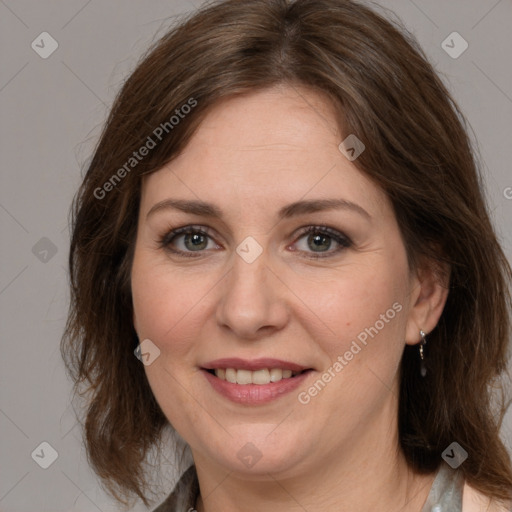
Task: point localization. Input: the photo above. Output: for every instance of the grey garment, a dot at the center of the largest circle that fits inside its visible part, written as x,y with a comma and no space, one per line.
445,494
183,497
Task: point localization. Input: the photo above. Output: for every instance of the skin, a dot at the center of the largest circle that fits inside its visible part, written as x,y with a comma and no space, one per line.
251,156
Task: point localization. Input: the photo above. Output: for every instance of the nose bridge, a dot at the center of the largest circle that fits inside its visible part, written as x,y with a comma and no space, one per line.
248,278
251,299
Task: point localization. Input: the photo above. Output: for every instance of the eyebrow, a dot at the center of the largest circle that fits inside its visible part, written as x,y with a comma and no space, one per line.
205,209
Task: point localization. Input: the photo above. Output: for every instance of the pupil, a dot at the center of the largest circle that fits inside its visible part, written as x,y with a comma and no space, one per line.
320,240
196,239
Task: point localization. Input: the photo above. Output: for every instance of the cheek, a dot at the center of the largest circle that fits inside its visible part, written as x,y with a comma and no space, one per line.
168,305
365,311
364,305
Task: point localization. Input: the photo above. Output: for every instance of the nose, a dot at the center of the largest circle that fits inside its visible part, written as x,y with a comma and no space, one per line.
252,301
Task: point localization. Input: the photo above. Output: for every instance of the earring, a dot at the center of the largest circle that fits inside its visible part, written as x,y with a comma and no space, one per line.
423,368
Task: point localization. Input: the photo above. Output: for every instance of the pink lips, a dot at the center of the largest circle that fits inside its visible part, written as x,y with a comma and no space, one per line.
253,365
254,394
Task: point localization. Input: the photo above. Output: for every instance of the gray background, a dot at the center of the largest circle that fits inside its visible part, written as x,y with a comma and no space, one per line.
51,112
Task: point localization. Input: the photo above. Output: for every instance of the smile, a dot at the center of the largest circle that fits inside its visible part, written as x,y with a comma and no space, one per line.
254,382
264,376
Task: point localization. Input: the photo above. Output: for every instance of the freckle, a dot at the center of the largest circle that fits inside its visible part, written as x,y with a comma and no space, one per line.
348,323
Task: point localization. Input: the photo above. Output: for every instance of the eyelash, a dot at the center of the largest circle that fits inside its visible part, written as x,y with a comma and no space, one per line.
165,241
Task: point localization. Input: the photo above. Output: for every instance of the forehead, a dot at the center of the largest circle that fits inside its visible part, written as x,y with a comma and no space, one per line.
273,147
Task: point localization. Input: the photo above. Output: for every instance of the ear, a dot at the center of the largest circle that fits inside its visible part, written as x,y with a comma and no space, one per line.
429,291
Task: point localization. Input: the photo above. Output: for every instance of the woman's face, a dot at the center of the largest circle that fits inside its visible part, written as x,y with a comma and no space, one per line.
259,293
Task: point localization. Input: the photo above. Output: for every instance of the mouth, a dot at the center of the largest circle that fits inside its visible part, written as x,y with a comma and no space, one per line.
254,382
258,377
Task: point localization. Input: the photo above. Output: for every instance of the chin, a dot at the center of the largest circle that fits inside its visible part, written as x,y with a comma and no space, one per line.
254,451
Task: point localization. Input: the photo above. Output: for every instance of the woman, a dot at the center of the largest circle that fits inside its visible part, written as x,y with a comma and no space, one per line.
284,221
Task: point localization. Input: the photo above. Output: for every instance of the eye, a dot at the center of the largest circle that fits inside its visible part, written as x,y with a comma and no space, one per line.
321,238
193,239
187,240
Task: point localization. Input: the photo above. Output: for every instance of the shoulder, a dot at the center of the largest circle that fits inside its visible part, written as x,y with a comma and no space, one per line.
475,501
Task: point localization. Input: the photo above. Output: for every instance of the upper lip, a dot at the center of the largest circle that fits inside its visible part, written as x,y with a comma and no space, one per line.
253,364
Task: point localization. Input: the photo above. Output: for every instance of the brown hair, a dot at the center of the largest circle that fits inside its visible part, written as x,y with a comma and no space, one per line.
417,150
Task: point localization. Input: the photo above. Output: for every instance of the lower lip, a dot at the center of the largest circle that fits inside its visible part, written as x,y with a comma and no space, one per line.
255,394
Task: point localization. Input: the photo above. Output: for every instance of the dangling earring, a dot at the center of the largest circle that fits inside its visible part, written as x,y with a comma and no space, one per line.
423,368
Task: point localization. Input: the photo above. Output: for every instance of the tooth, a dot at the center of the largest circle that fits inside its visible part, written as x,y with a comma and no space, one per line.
231,375
261,376
276,374
244,377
